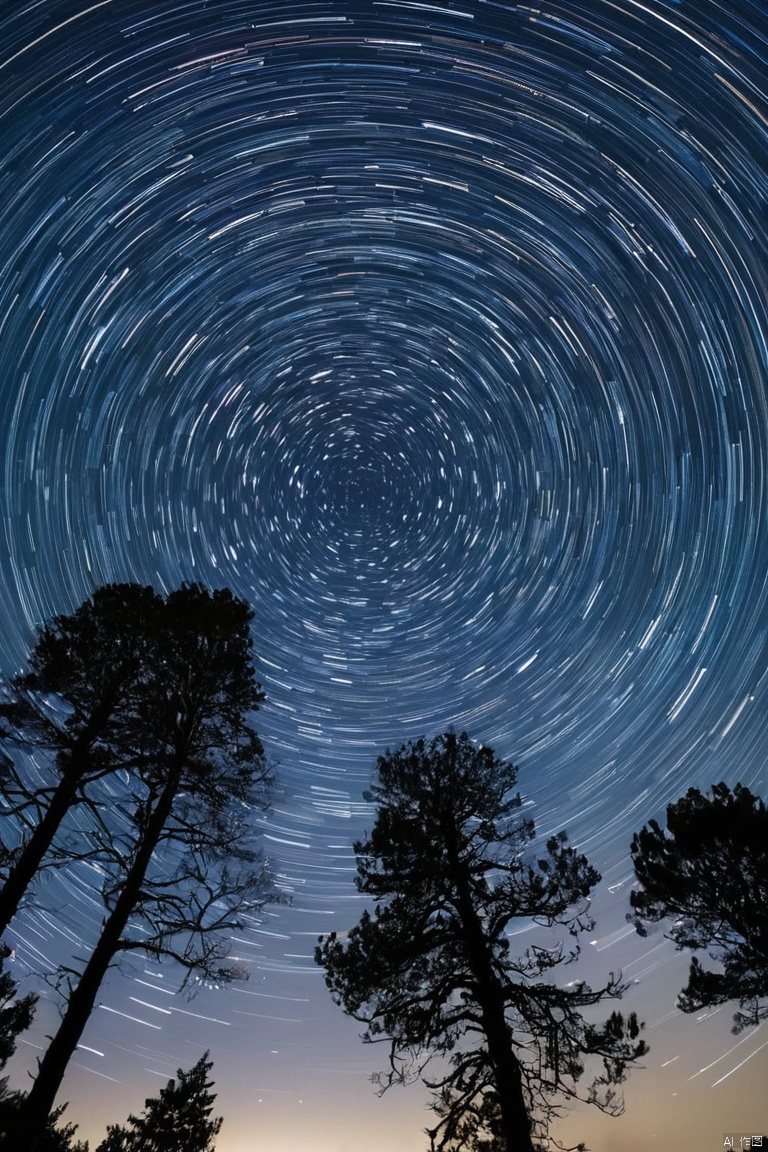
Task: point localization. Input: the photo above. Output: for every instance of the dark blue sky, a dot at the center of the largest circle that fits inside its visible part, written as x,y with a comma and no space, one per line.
438,332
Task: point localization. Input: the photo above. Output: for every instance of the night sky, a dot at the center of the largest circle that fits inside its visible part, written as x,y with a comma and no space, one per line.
438,332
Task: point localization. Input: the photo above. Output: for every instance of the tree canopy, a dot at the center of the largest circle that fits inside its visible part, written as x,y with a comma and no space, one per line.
72,706
165,709
706,875
55,1137
451,866
177,1120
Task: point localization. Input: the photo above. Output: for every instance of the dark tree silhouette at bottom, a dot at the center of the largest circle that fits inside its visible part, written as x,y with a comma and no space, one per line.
53,1138
178,1120
189,873
706,874
15,1013
429,971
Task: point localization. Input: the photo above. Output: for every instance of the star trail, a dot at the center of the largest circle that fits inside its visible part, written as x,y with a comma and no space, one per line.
438,332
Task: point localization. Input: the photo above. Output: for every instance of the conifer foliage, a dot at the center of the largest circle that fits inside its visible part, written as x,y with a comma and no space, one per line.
152,696
178,1120
71,705
451,866
706,875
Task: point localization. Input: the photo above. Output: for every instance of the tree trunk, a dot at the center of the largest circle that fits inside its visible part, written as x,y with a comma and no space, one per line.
31,857
53,1065
515,1120
33,853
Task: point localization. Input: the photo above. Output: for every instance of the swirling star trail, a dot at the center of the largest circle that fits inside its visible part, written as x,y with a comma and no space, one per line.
438,332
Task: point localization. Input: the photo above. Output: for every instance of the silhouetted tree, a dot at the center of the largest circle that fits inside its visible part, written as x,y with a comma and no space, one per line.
181,870
116,1140
52,1139
15,1013
707,872
178,1120
71,705
430,970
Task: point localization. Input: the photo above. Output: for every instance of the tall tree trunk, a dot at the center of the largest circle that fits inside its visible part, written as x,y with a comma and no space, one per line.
73,776
53,1065
31,856
515,1119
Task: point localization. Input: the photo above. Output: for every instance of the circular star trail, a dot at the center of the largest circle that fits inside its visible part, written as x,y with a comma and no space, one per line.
437,332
